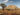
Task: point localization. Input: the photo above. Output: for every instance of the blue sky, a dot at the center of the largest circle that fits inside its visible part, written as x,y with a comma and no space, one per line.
15,2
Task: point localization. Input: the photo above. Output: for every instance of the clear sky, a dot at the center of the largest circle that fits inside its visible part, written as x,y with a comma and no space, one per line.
14,2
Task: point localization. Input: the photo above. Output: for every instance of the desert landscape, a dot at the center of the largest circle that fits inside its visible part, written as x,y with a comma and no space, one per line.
10,10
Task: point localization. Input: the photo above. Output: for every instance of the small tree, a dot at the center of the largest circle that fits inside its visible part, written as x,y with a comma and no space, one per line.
3,6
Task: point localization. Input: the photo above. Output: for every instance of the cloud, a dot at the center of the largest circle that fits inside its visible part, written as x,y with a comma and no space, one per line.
11,1
5,0
0,7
